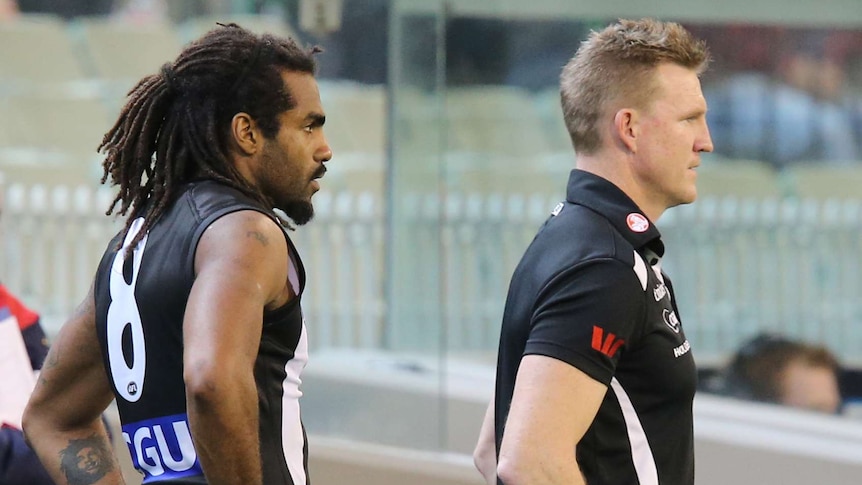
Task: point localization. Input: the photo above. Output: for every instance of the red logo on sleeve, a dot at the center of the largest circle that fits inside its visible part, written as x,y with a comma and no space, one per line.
606,344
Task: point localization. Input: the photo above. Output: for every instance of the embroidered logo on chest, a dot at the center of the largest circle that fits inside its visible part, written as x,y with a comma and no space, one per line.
660,291
671,320
682,349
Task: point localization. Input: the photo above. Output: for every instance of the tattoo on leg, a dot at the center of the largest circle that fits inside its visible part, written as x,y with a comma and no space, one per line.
86,461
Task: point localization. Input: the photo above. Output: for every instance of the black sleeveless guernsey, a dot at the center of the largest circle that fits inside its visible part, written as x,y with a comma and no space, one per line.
140,305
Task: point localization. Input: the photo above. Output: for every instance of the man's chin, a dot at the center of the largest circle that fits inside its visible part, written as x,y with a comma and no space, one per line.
300,212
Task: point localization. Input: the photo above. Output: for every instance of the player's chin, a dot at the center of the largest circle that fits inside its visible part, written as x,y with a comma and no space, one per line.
300,212
688,197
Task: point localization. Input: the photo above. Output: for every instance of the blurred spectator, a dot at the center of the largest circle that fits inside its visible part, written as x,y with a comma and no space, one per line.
774,369
854,92
144,11
181,10
67,8
477,51
8,9
798,112
19,465
538,50
358,50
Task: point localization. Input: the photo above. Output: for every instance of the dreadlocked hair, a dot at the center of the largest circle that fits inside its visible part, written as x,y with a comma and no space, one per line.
175,125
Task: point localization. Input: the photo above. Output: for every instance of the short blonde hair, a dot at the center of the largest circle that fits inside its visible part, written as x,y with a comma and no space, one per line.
617,64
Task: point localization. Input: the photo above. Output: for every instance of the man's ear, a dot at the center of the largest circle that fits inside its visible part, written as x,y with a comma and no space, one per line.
245,133
626,128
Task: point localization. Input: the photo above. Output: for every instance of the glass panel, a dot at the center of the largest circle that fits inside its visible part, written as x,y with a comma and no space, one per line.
782,183
374,374
784,101
450,151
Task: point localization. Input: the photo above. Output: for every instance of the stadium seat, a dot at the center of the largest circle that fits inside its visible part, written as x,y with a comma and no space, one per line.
123,53
356,173
419,126
740,178
36,52
355,116
823,181
551,113
55,126
195,27
494,120
33,168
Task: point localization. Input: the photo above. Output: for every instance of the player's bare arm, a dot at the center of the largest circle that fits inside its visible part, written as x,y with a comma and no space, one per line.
241,270
62,421
553,405
485,453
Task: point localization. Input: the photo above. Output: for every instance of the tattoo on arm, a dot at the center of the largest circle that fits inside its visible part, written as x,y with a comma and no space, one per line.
259,236
53,357
86,461
51,360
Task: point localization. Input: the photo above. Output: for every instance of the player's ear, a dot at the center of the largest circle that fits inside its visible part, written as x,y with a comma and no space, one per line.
245,133
626,128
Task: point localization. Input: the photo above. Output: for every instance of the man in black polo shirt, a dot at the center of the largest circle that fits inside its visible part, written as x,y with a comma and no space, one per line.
595,377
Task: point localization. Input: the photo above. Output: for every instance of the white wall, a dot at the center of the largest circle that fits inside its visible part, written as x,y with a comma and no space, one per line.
394,400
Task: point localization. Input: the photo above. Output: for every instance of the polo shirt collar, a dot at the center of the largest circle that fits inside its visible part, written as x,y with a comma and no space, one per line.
605,198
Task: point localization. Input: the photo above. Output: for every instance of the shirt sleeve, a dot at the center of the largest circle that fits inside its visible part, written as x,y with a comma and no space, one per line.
588,316
36,343
31,329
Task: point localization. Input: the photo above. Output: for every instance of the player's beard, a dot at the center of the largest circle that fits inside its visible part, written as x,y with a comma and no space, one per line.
299,211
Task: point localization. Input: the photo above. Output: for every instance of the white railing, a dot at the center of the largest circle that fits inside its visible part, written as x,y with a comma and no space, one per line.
788,265
738,265
51,240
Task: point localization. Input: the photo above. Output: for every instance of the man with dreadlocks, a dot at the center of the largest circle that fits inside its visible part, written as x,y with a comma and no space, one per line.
193,322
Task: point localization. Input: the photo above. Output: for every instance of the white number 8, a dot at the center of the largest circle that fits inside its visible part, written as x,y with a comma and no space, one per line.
122,313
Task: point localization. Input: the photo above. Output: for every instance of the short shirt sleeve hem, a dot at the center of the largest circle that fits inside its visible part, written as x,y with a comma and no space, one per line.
585,364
